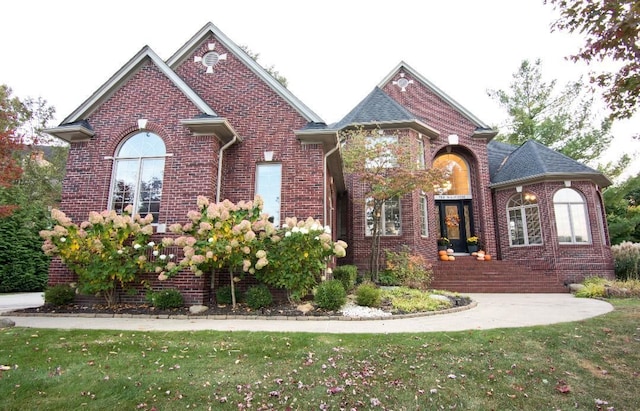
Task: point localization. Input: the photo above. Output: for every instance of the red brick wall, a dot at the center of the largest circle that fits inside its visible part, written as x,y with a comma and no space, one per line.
571,263
263,119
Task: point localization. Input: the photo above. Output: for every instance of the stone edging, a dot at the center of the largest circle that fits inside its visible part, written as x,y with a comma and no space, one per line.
469,306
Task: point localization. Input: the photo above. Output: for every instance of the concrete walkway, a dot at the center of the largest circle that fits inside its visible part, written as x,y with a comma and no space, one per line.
492,311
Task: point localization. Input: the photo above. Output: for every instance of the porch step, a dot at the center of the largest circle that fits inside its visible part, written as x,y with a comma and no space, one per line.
468,275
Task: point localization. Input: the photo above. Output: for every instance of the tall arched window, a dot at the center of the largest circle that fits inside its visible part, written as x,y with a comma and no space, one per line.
524,220
138,173
458,180
571,217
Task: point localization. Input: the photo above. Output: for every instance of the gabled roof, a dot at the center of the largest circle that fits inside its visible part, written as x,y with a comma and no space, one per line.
379,109
187,49
533,161
402,66
118,79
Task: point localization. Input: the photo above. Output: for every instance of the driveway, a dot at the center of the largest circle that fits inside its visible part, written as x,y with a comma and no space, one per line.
491,311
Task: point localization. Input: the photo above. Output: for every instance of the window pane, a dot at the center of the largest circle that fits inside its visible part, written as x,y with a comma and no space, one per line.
534,231
125,184
563,223
392,217
456,167
567,195
580,228
424,226
143,145
268,186
151,187
516,227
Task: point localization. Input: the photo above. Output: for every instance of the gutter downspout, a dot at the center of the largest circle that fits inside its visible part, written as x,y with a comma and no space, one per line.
222,149
324,182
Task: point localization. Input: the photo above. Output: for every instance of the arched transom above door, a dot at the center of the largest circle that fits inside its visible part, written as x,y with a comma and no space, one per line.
458,184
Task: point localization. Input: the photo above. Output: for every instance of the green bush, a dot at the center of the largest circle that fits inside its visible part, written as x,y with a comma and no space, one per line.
258,296
223,295
165,299
330,295
592,290
59,295
368,295
388,277
626,260
347,275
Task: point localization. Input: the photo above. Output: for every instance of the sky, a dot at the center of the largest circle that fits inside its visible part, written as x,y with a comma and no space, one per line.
333,53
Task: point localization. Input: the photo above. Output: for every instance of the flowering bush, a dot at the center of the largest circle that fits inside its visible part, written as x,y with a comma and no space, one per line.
626,260
298,254
105,251
473,240
219,235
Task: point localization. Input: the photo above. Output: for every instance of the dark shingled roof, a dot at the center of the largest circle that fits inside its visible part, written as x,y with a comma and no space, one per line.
533,160
377,107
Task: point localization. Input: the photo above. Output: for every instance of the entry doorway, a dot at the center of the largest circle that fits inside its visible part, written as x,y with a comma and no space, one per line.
455,221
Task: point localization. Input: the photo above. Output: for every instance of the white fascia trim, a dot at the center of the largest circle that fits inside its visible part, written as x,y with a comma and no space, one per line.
124,74
190,45
436,90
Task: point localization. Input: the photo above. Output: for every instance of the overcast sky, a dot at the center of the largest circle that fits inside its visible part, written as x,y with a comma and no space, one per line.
333,53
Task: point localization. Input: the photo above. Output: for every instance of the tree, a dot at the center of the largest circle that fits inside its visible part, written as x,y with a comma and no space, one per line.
612,32
12,114
270,69
622,204
562,120
387,168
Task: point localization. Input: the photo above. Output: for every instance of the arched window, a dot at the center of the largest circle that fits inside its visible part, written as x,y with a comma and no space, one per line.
457,169
524,220
138,173
571,217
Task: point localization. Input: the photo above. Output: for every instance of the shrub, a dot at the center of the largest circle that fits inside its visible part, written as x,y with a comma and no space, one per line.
258,296
388,277
626,260
347,275
330,295
409,300
368,295
592,290
223,295
165,299
412,270
59,295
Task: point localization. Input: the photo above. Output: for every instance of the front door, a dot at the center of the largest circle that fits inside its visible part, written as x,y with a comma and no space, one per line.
455,222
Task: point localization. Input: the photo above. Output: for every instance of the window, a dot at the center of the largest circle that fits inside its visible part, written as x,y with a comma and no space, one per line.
458,176
420,161
571,217
424,222
268,186
524,220
389,218
384,156
138,173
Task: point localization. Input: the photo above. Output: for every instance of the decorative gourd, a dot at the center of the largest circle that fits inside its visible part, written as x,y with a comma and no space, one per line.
480,258
444,257
450,251
475,254
442,252
487,257
452,258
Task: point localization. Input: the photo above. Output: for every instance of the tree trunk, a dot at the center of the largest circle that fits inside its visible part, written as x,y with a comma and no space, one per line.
233,289
374,259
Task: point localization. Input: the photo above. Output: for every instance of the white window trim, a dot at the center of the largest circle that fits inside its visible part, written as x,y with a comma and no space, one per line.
424,216
568,205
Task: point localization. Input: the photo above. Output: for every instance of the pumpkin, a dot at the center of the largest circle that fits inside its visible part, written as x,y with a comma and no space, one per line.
442,252
452,258
475,254
487,257
480,258
444,257
450,251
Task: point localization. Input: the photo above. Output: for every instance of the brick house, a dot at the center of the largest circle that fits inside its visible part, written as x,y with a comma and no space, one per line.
211,121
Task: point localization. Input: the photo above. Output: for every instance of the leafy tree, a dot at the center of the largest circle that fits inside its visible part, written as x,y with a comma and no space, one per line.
622,204
12,114
562,120
387,168
612,32
270,69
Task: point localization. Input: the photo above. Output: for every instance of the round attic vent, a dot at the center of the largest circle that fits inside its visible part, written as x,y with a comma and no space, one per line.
210,59
403,83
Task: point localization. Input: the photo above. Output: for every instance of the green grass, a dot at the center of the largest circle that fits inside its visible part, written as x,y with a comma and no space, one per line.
564,366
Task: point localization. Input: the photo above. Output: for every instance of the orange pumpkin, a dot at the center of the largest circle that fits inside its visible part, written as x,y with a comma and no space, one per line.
442,252
487,257
444,257
452,258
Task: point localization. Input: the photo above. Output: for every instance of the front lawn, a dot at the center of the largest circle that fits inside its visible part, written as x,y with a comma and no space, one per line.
587,365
